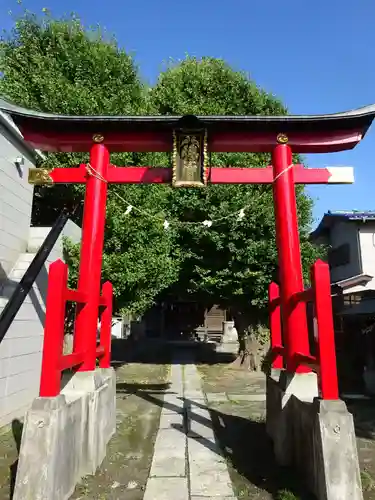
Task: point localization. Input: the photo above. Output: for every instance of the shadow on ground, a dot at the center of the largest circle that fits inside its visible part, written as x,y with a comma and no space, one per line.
249,452
363,411
17,428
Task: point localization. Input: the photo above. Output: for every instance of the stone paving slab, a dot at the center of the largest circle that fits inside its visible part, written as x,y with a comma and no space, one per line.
204,451
167,488
214,498
190,369
175,401
169,454
200,430
199,414
205,467
216,396
170,439
175,388
167,465
172,393
171,420
171,410
213,483
247,397
173,405
197,406
194,394
193,385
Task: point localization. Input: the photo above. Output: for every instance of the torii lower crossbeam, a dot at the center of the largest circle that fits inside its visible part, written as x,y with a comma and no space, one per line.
216,175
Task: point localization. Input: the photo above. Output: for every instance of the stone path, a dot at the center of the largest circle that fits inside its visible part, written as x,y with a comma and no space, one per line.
187,462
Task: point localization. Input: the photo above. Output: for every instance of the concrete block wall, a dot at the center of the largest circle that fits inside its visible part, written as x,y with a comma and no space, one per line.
21,349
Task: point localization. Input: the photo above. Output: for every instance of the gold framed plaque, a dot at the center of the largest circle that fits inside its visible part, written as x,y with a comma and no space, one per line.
189,158
40,176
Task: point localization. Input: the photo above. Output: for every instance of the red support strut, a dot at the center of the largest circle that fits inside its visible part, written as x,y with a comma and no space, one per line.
287,239
321,284
54,330
91,256
106,325
275,324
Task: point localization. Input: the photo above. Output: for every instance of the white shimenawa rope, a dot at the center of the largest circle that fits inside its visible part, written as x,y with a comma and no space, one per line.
166,224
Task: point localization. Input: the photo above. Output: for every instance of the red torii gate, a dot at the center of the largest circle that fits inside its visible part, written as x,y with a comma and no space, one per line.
190,139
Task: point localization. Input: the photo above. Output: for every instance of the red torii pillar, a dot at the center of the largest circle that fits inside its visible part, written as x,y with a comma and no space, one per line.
293,316
282,174
90,267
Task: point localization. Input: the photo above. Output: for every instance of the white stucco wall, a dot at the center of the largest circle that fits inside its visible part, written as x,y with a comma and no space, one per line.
367,241
15,200
21,349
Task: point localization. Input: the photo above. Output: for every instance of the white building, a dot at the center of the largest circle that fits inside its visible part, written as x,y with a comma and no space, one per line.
20,349
350,237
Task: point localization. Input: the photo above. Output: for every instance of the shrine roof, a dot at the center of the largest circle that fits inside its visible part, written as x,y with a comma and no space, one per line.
361,117
7,126
45,130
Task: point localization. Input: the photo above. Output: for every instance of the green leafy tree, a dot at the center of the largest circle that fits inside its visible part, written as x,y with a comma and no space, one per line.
58,66
233,261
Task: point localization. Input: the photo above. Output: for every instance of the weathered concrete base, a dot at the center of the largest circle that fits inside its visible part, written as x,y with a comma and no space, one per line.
280,387
316,437
65,438
325,449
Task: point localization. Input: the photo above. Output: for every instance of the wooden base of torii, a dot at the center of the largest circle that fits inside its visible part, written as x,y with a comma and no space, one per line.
190,139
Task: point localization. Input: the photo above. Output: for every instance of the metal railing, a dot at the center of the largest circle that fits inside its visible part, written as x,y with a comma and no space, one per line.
24,286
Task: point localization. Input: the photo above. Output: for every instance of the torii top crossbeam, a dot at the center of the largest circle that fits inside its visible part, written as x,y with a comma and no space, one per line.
303,133
306,133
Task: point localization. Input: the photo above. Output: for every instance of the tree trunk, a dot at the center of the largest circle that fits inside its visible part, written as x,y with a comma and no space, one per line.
248,356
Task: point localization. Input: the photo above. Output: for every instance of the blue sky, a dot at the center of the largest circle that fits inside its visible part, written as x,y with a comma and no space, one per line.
318,57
